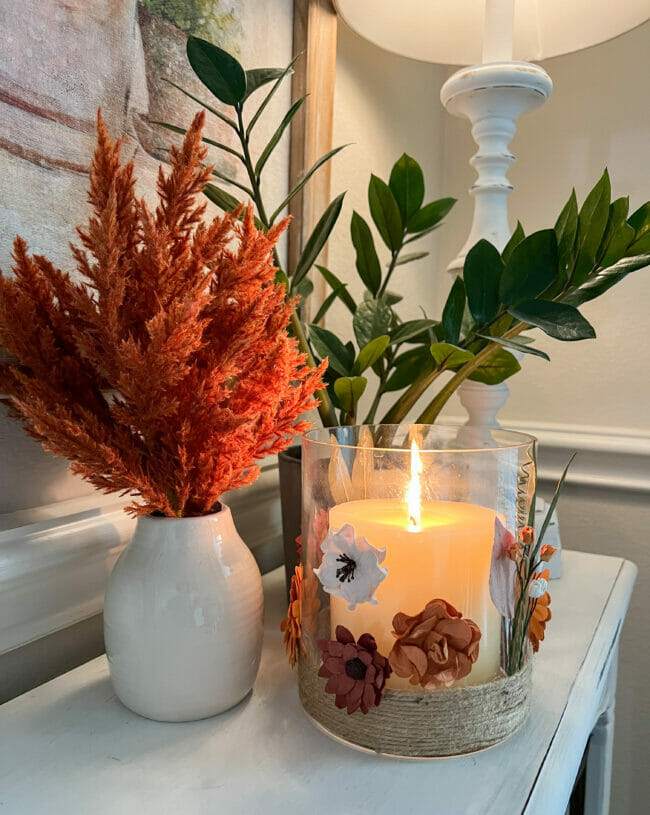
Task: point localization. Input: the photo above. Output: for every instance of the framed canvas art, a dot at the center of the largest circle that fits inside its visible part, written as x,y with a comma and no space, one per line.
65,59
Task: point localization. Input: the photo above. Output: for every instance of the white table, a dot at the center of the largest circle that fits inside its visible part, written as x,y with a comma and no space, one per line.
70,747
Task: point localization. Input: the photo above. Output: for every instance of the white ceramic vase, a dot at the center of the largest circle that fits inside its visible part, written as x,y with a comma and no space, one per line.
183,618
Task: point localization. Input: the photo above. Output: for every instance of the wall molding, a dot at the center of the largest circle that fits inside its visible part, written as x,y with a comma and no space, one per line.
609,459
55,560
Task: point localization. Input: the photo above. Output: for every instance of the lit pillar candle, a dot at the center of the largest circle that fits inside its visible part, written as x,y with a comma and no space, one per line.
434,549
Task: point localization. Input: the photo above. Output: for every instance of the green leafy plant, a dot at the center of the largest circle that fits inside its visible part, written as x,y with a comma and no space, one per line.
400,218
537,281
235,87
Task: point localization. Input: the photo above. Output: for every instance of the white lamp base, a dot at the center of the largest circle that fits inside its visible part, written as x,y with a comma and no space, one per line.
492,96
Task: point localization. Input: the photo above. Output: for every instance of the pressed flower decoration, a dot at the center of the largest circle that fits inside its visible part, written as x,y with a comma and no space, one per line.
436,647
356,672
291,623
506,553
303,608
531,611
350,568
541,613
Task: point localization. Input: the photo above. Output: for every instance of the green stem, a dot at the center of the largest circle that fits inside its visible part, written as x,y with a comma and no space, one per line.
391,268
370,418
325,406
432,411
250,170
408,399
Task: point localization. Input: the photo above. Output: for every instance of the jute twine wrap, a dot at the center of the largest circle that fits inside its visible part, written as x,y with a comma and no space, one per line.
428,724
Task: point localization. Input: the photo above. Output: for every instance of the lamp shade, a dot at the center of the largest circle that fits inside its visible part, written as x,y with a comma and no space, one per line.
451,31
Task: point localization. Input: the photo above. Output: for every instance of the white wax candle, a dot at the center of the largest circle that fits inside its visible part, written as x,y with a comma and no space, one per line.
448,557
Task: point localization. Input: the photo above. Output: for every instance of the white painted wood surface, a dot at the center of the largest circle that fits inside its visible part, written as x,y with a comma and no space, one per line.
70,746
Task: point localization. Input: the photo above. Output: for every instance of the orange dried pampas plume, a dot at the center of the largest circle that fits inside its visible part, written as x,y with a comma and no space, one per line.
168,371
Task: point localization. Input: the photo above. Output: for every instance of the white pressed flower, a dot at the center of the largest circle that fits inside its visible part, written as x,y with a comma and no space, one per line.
537,587
350,567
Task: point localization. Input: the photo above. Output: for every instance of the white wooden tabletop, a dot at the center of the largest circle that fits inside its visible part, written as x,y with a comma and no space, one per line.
70,747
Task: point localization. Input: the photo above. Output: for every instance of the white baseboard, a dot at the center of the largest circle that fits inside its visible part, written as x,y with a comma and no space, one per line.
55,560
612,460
53,572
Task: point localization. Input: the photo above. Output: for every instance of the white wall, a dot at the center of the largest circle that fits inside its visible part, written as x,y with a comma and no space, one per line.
384,106
597,116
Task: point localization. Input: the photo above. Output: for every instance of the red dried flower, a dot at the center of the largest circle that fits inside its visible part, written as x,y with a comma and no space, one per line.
167,372
356,672
435,647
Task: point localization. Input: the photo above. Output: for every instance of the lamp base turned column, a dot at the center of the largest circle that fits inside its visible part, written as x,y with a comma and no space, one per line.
492,96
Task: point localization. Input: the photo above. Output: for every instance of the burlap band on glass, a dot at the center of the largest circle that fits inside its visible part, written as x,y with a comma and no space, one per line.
428,724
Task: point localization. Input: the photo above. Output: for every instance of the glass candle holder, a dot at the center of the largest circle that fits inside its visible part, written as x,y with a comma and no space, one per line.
408,594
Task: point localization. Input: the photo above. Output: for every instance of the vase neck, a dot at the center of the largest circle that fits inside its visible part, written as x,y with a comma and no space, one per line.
153,531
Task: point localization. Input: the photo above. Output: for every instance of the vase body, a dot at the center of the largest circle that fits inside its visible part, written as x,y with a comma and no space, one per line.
183,618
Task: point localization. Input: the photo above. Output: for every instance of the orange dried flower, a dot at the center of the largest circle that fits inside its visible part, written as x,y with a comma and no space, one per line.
291,623
436,647
541,614
168,372
546,552
527,535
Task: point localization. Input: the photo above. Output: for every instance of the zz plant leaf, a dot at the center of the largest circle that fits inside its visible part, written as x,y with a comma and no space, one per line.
318,238
482,274
592,222
452,314
348,390
370,353
410,330
385,213
371,319
449,355
515,239
327,344
501,365
407,185
367,261
566,229
531,268
220,72
618,234
258,77
337,285
558,320
429,216
520,346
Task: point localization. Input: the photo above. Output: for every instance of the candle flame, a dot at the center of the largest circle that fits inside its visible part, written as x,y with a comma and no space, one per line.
414,491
